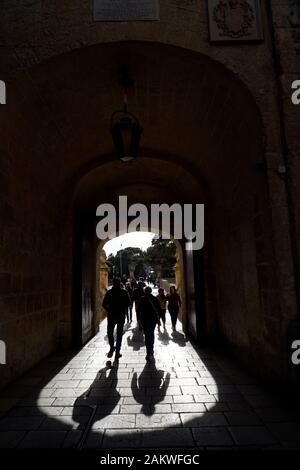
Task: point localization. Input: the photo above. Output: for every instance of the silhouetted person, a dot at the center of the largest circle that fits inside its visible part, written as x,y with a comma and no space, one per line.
116,302
138,293
129,310
149,318
174,304
162,299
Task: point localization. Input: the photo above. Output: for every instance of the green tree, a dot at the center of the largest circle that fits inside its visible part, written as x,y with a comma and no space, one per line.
111,262
124,257
162,253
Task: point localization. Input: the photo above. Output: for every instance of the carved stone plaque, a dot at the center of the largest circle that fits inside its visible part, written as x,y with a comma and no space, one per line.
235,20
126,10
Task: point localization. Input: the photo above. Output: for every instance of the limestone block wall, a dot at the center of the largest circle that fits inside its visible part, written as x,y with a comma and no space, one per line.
286,24
30,251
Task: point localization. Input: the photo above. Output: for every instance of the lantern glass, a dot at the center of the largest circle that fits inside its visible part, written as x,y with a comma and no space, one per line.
126,134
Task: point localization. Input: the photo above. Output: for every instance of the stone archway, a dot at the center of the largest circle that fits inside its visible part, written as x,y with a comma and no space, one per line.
147,183
203,136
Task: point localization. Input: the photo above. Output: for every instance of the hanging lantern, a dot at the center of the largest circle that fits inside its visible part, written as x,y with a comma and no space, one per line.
126,130
126,134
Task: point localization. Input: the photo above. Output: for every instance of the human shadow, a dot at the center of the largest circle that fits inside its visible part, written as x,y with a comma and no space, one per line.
153,380
179,338
101,393
137,339
164,337
37,417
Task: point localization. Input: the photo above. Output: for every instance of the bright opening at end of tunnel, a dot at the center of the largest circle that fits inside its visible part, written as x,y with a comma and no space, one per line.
140,240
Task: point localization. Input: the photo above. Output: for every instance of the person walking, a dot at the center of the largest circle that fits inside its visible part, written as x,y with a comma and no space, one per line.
162,299
149,318
129,310
142,280
116,302
138,293
174,304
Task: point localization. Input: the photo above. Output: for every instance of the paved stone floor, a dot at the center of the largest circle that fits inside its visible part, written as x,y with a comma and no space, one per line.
187,398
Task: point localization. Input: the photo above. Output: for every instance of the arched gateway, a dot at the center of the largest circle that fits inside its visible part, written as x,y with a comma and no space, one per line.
202,140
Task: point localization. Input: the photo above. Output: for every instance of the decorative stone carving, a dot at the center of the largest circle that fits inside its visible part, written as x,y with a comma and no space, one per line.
234,20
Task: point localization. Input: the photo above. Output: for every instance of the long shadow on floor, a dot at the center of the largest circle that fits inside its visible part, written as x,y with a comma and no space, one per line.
150,379
179,338
106,379
79,421
164,337
136,341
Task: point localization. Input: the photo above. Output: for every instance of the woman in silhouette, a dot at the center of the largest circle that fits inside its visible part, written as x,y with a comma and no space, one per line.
174,304
161,297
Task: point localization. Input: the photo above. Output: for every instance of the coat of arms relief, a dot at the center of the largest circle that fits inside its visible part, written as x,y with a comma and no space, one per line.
234,20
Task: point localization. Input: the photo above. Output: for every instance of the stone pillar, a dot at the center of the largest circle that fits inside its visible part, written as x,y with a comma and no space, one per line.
131,268
158,273
103,285
179,281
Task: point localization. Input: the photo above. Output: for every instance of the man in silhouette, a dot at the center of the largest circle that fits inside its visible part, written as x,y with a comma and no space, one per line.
116,302
149,318
138,293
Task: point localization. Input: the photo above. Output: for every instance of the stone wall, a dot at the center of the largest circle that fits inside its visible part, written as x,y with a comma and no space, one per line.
30,245
286,30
